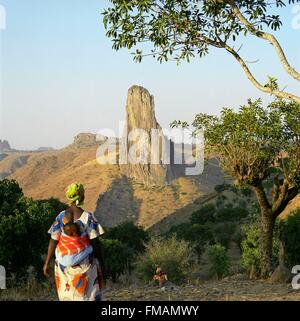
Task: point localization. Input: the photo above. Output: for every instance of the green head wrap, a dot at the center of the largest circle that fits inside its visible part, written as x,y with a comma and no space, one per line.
75,194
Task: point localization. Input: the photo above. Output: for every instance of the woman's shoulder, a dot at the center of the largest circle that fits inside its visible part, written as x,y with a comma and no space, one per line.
60,216
86,217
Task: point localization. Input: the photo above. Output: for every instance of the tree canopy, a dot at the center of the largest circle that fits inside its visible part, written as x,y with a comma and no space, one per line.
183,29
256,144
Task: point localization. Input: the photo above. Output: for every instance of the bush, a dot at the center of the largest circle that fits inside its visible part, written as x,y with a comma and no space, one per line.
131,241
223,233
10,193
242,204
23,229
218,261
230,213
222,187
116,258
204,215
220,203
198,235
172,255
290,234
251,249
129,234
247,192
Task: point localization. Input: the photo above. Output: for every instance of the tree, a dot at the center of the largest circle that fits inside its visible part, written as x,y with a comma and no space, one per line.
290,235
255,145
129,234
10,193
219,262
23,228
205,214
117,257
198,235
183,29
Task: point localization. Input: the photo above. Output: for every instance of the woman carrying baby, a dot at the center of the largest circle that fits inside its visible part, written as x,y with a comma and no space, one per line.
77,248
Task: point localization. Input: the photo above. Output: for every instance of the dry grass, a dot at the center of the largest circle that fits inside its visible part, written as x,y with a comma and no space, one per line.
47,174
32,290
234,288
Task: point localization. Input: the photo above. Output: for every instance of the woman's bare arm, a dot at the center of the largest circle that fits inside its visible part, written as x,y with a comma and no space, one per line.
98,252
51,250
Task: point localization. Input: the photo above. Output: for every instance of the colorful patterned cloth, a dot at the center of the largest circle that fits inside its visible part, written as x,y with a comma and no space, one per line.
78,276
79,283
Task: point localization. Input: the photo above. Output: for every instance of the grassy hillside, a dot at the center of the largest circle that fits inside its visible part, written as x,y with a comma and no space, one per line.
114,198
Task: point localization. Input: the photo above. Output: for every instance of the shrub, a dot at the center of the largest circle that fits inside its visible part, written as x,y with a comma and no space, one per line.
198,235
172,255
247,192
23,229
220,203
223,233
238,237
10,193
221,188
230,213
251,249
204,215
218,260
116,258
129,234
242,203
234,189
290,234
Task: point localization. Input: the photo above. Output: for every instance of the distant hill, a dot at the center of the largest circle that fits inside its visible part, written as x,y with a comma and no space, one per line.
4,146
44,149
115,193
154,196
112,196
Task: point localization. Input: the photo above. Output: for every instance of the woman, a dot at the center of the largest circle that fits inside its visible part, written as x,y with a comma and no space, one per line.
79,260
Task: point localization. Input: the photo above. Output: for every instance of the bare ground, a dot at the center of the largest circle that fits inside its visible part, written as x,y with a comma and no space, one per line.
237,288
234,288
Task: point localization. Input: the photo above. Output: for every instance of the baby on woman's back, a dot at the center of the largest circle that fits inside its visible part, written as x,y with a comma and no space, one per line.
71,228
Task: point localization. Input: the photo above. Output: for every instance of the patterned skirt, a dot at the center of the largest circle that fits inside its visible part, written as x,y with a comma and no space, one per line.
82,282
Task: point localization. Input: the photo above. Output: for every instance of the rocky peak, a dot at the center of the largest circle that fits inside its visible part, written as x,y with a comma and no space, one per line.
4,146
140,114
83,140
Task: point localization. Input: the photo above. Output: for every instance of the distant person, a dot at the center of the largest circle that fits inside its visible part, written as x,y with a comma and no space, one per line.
75,242
160,276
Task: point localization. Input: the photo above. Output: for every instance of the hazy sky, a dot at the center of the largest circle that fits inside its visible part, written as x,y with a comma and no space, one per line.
59,75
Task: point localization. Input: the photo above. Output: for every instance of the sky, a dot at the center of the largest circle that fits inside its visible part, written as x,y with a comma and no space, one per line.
60,76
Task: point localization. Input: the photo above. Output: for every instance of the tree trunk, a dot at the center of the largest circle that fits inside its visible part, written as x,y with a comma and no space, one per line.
266,243
267,221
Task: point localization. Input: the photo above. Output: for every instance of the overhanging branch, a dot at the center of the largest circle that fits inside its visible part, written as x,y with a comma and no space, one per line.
266,36
277,93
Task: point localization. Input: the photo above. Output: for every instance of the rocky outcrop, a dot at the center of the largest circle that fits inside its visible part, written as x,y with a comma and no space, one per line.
136,156
2,156
4,146
44,149
83,140
11,163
